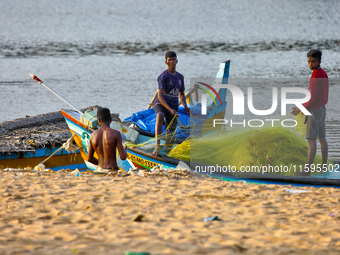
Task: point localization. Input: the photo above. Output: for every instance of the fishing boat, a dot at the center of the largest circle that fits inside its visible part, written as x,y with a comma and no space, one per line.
138,157
26,142
141,143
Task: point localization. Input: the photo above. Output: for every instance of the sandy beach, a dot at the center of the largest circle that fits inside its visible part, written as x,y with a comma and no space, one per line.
58,213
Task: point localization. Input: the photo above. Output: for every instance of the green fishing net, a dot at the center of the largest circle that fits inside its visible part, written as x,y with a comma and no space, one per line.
238,147
263,146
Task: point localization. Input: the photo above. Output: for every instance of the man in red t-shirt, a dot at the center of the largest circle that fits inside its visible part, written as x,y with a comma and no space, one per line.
318,87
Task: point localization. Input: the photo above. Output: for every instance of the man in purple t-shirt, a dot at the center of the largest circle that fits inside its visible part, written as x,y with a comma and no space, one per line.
170,87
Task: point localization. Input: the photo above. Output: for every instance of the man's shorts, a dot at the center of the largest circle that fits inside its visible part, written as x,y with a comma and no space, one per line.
316,127
168,117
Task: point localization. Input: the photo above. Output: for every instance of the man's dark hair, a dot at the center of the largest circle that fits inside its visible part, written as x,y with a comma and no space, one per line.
104,114
315,54
170,54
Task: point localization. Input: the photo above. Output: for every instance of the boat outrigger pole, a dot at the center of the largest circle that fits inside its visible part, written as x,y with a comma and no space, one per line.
55,93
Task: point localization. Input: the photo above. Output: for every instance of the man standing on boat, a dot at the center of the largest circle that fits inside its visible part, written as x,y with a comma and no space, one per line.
318,87
104,142
170,87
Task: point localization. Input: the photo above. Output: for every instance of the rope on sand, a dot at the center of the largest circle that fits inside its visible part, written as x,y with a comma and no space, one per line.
68,146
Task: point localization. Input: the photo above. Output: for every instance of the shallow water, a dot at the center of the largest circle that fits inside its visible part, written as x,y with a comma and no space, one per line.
110,53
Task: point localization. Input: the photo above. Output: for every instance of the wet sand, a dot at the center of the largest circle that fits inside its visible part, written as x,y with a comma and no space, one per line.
58,213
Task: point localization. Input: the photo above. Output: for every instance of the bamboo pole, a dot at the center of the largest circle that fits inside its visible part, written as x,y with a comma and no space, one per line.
55,93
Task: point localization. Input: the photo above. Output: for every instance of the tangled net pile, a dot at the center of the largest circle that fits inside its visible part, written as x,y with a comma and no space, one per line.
264,146
249,146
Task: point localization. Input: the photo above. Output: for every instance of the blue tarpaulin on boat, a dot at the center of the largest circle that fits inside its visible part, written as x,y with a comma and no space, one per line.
146,120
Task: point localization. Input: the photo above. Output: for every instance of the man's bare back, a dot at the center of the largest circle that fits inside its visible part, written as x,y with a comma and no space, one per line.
104,142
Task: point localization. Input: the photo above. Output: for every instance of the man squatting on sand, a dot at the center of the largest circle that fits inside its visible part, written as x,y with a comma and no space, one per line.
318,87
170,87
104,142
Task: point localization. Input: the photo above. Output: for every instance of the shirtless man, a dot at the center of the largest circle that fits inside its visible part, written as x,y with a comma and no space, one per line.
104,142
